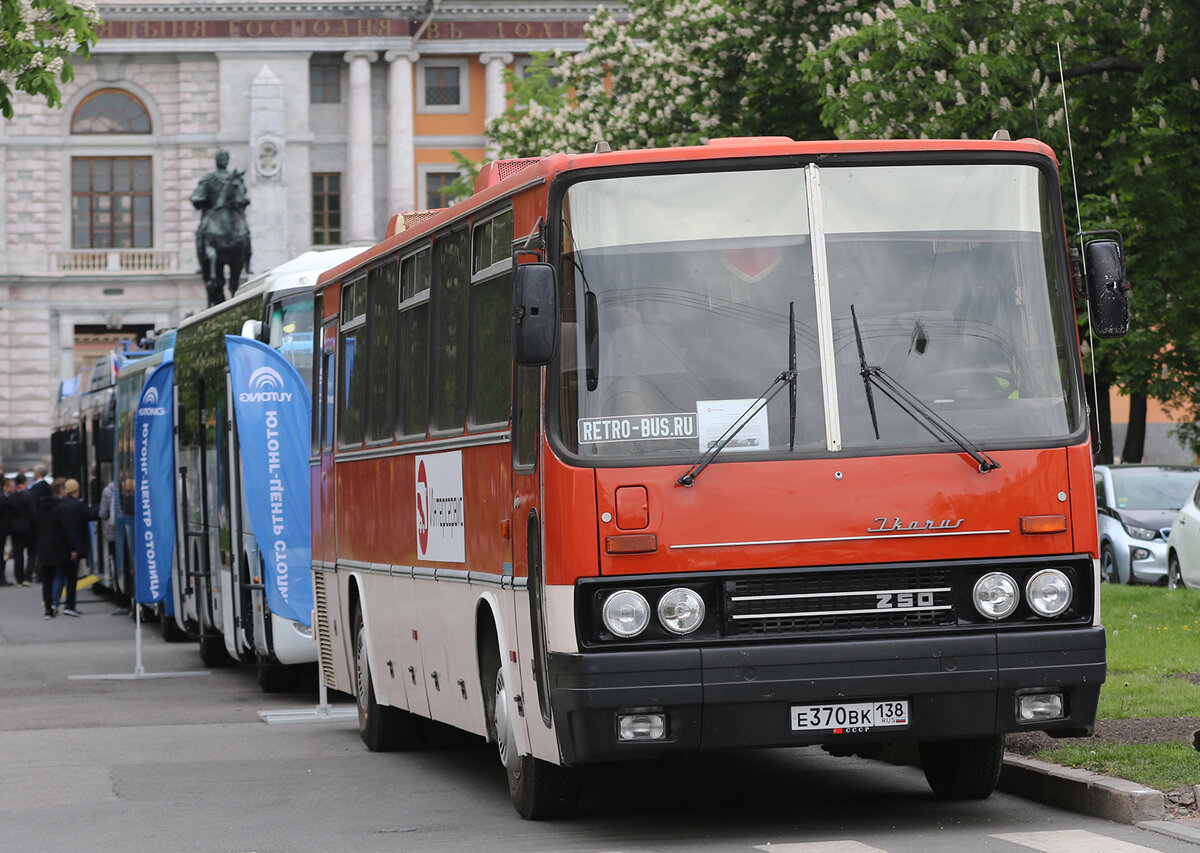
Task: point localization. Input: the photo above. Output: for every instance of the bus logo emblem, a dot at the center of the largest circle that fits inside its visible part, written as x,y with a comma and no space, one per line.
423,507
265,379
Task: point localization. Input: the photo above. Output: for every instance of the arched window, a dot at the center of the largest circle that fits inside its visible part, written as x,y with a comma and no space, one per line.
110,111
111,196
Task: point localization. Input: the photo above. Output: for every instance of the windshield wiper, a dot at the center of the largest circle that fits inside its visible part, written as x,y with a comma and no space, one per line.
873,374
785,378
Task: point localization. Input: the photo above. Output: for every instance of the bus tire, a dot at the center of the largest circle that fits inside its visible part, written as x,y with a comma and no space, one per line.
539,790
212,650
170,630
381,727
966,769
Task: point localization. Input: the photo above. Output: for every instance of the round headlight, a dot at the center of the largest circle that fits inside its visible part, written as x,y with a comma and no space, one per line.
681,611
995,595
1048,592
626,613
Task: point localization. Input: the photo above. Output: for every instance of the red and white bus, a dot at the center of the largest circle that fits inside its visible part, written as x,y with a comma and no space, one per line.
758,443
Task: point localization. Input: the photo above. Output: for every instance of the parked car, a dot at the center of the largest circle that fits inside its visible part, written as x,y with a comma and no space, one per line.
1136,505
1183,545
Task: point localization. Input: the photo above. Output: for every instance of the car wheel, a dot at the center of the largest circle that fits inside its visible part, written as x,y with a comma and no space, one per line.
1174,574
1108,565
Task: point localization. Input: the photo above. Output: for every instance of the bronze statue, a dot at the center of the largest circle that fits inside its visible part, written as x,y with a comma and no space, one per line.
222,238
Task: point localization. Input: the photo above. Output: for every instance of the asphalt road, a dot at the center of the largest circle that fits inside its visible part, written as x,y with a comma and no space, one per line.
186,764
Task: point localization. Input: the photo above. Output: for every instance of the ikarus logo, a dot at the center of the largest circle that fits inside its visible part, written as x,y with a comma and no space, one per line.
150,407
264,385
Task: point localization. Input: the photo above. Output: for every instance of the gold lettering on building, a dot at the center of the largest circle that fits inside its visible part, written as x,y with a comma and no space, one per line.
298,29
523,30
320,28
254,29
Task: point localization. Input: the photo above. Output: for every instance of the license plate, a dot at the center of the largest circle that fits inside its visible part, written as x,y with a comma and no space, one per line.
850,716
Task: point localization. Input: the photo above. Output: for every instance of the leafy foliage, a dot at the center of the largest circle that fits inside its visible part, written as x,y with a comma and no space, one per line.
945,68
38,38
677,73
681,71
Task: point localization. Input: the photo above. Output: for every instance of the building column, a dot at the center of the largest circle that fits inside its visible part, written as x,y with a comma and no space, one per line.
401,159
358,196
495,96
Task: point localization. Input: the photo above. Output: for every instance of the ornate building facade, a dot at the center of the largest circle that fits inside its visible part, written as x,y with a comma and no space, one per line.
339,113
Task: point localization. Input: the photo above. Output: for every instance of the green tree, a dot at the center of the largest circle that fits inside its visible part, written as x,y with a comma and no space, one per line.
1130,67
38,39
678,72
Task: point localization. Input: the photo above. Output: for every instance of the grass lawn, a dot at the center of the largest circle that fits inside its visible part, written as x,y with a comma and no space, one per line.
1153,634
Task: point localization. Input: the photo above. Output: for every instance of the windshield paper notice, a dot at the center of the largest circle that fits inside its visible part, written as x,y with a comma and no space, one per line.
717,416
637,427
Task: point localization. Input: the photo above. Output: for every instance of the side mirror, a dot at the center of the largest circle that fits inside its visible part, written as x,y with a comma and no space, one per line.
252,329
534,313
1107,288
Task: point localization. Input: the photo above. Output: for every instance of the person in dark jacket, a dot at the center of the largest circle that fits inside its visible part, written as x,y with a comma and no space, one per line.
54,545
6,487
76,514
22,520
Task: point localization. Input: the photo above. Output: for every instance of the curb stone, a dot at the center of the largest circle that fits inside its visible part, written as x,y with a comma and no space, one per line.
1082,791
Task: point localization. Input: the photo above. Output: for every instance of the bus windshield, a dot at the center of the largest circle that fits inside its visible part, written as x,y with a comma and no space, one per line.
677,290
290,332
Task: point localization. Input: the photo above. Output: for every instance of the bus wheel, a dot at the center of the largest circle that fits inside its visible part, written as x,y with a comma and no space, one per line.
381,727
965,769
170,630
212,650
539,790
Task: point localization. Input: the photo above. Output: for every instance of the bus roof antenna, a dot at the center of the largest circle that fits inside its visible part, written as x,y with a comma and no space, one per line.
602,147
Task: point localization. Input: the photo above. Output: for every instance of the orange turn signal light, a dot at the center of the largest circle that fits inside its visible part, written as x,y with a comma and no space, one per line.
631,543
1031,524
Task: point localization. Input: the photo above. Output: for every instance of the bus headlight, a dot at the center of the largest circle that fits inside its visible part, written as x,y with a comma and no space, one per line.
1048,592
626,613
995,595
681,610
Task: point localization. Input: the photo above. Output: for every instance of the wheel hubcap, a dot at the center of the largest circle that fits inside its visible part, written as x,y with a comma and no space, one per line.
504,730
360,675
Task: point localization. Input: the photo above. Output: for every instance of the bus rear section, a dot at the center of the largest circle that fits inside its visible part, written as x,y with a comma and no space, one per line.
797,455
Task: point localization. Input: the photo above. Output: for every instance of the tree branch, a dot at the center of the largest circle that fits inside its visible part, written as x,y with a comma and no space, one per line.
1099,66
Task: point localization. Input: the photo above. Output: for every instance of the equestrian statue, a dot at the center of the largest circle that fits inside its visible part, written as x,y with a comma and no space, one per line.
222,238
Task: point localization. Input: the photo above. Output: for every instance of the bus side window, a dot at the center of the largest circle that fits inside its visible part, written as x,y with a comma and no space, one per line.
413,348
352,387
450,295
383,290
526,413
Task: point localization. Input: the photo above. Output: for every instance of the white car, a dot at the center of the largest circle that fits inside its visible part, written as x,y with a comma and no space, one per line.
1135,506
1183,545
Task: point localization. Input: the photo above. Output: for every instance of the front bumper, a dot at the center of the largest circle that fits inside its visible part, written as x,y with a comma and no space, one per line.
737,697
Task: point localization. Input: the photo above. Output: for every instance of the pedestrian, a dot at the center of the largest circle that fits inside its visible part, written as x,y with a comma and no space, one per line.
108,520
22,521
76,515
54,546
6,487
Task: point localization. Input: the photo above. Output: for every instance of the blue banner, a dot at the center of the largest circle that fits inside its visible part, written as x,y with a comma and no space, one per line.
273,410
154,486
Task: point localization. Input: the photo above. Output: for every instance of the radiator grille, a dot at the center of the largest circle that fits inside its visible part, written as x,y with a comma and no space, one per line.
321,627
831,601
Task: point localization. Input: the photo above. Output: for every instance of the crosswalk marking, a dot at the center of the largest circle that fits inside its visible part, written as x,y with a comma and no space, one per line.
1071,841
820,847
1049,841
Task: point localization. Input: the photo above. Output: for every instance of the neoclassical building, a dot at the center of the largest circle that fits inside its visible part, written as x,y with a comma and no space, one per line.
340,114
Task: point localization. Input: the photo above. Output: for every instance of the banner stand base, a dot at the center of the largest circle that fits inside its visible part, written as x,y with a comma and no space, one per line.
318,714
135,675
322,713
